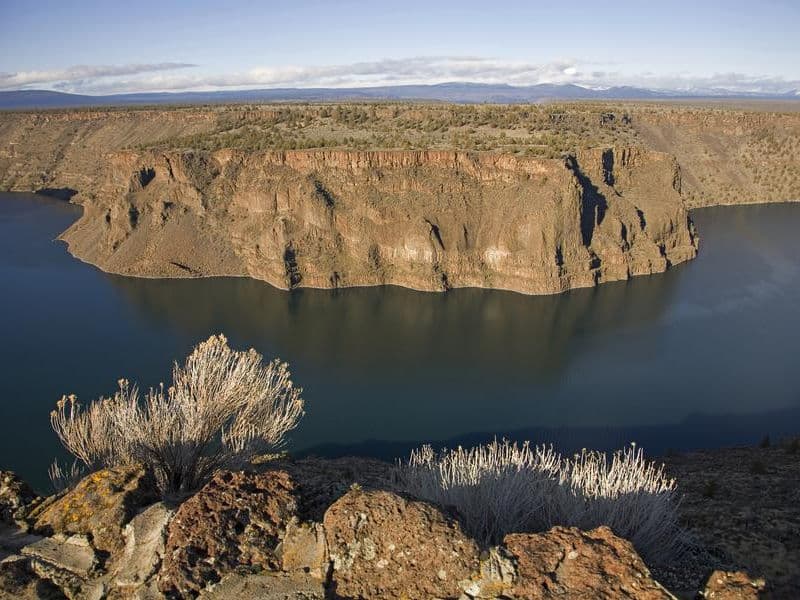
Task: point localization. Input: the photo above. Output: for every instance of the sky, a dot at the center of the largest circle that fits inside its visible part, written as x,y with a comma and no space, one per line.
105,46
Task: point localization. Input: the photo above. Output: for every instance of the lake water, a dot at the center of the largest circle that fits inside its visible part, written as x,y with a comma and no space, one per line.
704,355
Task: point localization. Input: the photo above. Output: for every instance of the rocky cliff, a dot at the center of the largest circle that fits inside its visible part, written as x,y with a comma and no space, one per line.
429,220
426,219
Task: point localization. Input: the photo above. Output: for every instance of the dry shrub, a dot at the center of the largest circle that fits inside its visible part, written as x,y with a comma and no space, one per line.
223,408
502,488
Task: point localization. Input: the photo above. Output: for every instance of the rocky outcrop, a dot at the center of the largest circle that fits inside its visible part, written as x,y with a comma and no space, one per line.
568,563
431,220
290,532
732,585
384,546
18,581
145,543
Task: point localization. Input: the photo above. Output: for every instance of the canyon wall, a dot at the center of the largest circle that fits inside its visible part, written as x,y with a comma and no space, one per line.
426,220
429,220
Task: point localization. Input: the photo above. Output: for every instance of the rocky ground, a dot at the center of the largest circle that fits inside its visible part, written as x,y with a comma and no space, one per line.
743,507
323,528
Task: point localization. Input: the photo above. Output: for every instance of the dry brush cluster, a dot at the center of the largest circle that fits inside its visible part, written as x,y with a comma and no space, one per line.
502,488
224,407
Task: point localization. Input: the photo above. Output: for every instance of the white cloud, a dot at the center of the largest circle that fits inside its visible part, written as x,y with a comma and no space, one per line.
415,70
81,73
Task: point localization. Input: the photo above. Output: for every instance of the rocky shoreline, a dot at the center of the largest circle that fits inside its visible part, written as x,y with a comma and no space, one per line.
339,528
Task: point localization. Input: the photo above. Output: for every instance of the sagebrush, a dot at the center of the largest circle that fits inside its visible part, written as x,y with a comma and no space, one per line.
224,407
502,488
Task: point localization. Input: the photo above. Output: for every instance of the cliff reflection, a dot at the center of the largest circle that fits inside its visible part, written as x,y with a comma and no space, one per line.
391,331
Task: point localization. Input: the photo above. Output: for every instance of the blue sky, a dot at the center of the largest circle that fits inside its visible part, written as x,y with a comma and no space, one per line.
106,46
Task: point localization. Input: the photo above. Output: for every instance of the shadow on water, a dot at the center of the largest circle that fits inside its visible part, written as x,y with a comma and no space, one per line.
697,431
390,331
385,369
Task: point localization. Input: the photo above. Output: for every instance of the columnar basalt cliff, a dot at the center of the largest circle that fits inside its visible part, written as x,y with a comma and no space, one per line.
201,192
429,220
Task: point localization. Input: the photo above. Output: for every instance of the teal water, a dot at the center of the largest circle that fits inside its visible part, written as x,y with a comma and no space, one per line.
704,355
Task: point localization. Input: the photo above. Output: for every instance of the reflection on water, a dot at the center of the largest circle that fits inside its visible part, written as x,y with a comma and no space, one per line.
384,368
389,332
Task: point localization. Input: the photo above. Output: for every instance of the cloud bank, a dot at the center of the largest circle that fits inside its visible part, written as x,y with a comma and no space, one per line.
81,75
171,76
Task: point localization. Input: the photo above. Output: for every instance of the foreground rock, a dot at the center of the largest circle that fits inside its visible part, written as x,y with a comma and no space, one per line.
568,563
145,542
245,535
99,506
235,522
274,586
384,546
726,585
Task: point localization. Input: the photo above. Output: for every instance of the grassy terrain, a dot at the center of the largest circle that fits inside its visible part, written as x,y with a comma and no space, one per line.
539,130
729,151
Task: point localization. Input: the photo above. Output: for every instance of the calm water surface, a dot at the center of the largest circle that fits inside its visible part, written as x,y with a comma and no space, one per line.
704,355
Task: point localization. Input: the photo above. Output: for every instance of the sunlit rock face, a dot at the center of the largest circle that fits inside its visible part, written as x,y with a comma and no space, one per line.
429,220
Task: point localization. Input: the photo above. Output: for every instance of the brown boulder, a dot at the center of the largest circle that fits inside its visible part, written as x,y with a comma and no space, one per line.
732,585
385,546
99,506
568,563
235,522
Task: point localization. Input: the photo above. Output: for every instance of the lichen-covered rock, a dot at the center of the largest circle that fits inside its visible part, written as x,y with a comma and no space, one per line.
385,546
732,585
99,506
235,522
570,564
15,495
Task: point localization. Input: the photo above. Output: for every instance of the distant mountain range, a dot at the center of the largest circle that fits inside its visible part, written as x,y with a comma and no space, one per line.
444,92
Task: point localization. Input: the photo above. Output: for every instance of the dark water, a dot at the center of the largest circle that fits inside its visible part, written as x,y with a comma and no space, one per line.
704,355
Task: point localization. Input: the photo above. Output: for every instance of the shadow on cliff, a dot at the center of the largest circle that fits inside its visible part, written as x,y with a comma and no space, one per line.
593,202
66,194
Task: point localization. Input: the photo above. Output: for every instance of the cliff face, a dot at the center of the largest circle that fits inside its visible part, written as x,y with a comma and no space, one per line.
429,220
